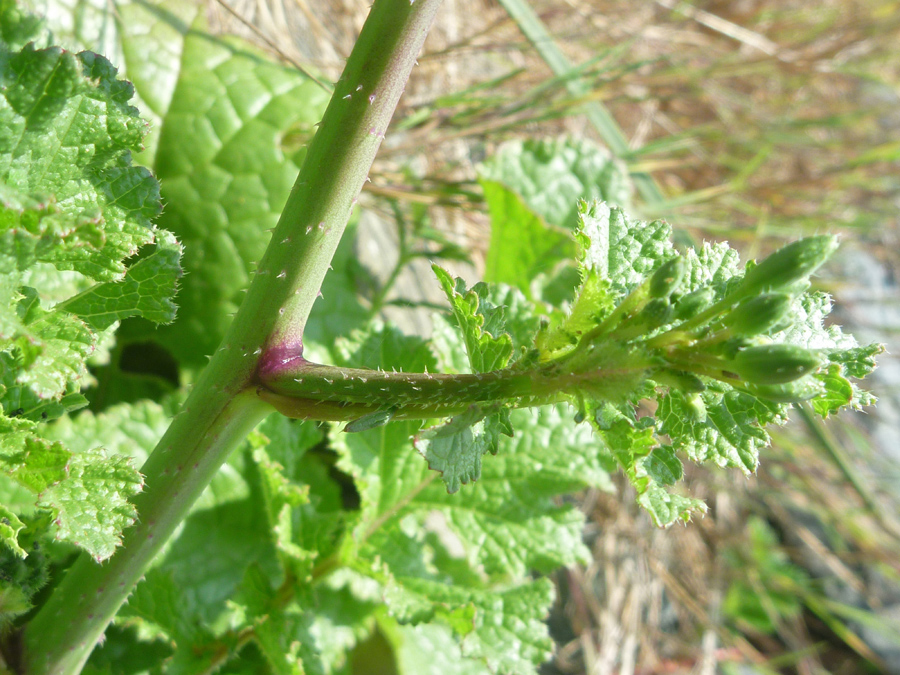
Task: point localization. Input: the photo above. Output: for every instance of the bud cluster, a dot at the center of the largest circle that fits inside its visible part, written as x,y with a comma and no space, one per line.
679,333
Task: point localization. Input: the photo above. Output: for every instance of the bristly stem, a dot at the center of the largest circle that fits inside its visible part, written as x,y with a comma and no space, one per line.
305,390
223,407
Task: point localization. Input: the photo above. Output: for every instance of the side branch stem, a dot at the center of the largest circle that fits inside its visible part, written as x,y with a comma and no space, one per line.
332,393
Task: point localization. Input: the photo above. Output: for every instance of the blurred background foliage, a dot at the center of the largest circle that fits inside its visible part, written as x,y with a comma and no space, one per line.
755,121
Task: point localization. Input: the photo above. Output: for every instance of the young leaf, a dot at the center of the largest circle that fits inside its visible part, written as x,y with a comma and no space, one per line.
482,324
456,447
147,290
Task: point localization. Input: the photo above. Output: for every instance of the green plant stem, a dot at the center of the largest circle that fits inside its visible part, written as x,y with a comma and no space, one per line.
317,392
223,407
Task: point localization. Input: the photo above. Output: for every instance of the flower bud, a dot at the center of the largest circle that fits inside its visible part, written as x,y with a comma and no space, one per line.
693,303
774,364
681,380
695,407
667,278
657,312
790,392
756,316
793,263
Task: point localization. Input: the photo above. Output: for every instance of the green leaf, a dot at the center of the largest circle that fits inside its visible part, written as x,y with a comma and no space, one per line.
67,132
147,290
455,448
23,565
17,27
159,608
620,250
10,526
838,392
845,358
428,649
507,522
281,498
663,465
283,637
552,176
509,634
128,430
522,245
482,324
159,602
70,199
615,255
62,343
20,400
731,435
857,361
634,447
31,461
216,545
91,505
713,265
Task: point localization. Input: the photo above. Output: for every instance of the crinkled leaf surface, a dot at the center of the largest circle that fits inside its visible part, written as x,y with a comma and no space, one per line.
481,323
551,176
62,343
10,526
223,574
456,447
91,504
428,649
721,420
146,40
504,525
67,132
509,634
147,290
228,131
160,608
508,521
618,249
31,461
730,435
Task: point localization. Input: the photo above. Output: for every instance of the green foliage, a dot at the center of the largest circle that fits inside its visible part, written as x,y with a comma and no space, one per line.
550,176
532,189
74,213
722,354
314,547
